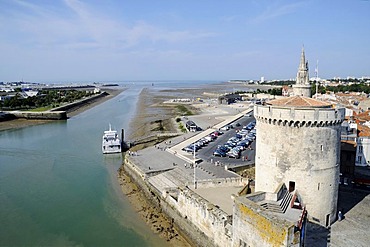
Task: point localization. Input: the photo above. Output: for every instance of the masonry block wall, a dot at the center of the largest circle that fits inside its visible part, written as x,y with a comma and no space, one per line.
301,147
252,226
209,219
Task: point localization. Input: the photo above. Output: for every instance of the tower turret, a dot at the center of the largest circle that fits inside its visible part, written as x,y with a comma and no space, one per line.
302,86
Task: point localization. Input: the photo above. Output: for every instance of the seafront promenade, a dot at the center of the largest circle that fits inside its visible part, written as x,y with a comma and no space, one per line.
170,159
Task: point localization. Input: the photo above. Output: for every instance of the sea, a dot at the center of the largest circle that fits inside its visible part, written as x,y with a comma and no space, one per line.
58,189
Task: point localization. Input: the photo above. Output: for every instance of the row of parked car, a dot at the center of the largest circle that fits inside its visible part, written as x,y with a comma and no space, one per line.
236,144
202,142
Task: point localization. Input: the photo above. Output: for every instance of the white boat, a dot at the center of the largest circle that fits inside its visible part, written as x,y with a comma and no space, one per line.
111,143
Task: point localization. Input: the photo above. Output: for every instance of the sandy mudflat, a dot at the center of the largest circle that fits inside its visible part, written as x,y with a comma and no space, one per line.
152,215
21,123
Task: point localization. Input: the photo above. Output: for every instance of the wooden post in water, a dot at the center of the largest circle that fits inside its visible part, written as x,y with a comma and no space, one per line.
123,146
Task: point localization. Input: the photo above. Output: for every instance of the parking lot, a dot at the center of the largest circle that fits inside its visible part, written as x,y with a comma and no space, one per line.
244,156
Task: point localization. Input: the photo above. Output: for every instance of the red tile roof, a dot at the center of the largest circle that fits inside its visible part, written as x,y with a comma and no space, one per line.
299,101
363,116
363,130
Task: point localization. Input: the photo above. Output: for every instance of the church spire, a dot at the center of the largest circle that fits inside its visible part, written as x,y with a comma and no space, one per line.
302,86
303,60
302,75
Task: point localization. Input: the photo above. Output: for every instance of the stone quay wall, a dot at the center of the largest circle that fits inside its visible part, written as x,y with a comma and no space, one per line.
47,115
204,223
168,203
214,223
79,103
221,182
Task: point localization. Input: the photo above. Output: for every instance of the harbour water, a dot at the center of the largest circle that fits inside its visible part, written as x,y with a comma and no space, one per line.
58,189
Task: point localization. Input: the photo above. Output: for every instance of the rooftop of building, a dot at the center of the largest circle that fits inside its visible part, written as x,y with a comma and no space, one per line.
363,130
362,116
299,101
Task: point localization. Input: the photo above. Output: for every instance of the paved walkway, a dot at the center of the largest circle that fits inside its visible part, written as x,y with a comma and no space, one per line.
167,166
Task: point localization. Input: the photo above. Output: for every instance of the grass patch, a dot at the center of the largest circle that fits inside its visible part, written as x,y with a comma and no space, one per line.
44,108
159,126
182,127
183,110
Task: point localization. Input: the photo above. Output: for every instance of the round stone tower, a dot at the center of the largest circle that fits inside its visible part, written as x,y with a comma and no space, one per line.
298,143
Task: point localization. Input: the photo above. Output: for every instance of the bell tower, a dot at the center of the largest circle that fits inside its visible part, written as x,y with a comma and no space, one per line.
302,86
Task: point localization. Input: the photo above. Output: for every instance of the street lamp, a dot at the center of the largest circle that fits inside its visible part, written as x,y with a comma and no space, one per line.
195,182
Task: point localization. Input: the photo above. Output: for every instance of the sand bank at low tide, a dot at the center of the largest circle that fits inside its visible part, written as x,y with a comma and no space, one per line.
151,214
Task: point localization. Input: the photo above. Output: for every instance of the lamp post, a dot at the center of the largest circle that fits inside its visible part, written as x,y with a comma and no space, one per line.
195,182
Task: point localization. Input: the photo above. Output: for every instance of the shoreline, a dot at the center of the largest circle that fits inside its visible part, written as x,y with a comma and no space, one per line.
150,213
142,124
22,123
150,110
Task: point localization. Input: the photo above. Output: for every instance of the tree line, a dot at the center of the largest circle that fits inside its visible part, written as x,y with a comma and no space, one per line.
45,98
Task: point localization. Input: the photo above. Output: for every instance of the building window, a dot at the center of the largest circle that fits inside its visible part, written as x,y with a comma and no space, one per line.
291,186
322,148
359,159
360,149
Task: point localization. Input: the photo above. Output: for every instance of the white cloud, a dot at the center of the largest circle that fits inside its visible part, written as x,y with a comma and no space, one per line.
81,26
276,10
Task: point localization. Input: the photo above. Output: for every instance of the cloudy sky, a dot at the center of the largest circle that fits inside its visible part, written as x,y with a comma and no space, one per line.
112,40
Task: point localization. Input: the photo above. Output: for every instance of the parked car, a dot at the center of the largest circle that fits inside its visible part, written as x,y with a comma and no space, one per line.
233,155
219,153
190,148
231,144
208,138
242,145
239,136
223,148
219,132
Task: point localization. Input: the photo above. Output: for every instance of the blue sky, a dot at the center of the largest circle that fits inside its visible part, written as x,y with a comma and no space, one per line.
111,40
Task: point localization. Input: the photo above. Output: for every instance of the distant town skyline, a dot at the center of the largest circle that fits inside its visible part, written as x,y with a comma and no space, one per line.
72,40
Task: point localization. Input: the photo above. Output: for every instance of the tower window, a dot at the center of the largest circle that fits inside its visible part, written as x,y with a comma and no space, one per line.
318,186
291,186
322,148
327,221
360,149
359,159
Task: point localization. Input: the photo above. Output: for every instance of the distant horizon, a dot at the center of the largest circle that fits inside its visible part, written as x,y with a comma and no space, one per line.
80,40
174,80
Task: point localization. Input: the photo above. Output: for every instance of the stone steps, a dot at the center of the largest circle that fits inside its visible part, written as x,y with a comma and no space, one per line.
285,202
278,207
272,207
